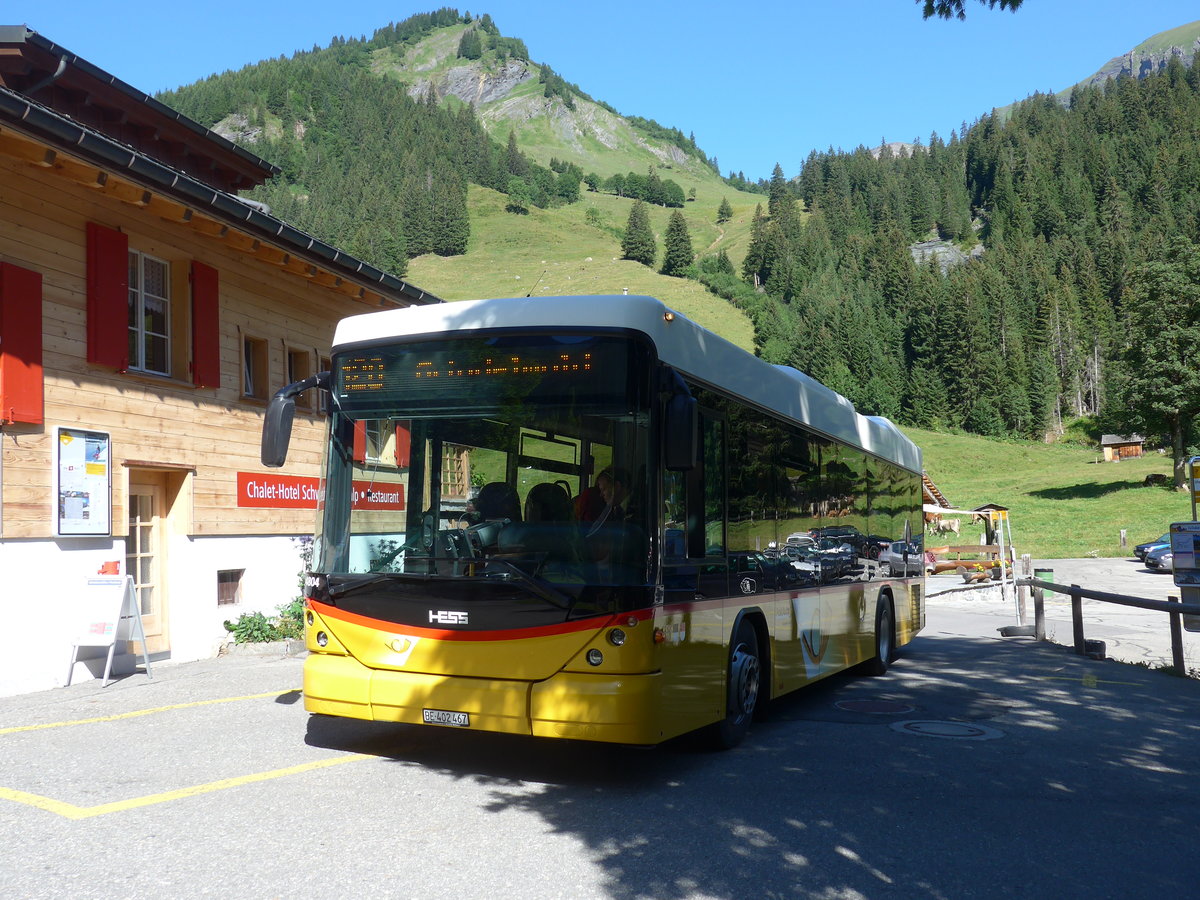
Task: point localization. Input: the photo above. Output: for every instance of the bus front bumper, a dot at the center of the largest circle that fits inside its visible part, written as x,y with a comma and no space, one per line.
585,706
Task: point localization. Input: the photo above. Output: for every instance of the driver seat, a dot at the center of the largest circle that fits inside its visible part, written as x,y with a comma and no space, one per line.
498,500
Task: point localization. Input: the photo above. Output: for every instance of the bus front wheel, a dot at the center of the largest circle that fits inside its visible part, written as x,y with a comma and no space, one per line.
742,689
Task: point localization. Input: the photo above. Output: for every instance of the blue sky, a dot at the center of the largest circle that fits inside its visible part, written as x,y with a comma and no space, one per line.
758,81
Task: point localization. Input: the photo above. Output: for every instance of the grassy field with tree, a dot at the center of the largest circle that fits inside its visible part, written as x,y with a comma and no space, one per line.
1065,501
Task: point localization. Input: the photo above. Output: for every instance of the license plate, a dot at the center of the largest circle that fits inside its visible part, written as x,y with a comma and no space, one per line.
445,717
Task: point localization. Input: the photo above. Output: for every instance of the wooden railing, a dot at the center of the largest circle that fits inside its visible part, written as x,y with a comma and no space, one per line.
1174,609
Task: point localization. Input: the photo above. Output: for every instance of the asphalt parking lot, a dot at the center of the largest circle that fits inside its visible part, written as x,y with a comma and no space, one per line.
978,767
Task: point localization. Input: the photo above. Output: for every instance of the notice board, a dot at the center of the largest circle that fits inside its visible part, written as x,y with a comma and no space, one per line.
83,482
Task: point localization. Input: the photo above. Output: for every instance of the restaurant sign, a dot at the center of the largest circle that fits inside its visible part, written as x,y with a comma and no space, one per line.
275,491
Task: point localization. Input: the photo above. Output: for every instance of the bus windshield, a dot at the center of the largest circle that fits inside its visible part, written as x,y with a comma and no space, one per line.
519,457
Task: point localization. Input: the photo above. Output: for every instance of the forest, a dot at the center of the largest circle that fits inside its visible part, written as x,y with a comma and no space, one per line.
1079,215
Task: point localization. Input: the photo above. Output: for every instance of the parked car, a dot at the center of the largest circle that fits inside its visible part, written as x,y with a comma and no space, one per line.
841,534
900,558
874,544
1141,550
803,558
1160,559
837,558
800,539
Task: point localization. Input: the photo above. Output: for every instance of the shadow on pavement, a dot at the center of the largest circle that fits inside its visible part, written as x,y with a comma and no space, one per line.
976,767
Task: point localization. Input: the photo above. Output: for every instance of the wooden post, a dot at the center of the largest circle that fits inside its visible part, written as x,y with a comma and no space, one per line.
1023,590
1039,603
1176,640
1077,619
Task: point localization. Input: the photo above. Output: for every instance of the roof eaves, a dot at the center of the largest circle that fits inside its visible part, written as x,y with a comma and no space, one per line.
53,127
20,33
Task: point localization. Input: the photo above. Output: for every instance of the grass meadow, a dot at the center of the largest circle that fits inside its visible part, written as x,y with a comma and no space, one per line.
1065,502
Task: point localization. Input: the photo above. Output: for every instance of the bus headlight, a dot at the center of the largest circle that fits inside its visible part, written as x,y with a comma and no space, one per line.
322,639
595,657
616,637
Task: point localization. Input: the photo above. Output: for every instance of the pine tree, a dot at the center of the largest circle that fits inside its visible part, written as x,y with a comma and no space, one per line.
724,212
677,244
638,243
754,265
1162,389
515,160
470,47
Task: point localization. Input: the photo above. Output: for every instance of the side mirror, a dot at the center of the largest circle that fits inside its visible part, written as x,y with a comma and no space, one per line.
682,424
277,424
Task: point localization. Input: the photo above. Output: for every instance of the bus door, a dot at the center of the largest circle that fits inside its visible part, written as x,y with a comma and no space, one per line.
695,582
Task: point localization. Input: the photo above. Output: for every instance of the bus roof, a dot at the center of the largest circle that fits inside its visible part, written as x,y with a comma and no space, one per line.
680,342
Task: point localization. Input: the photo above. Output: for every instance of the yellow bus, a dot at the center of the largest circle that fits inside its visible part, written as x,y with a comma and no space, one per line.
588,517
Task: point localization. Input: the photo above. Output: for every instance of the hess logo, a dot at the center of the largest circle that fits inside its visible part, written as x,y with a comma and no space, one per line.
448,617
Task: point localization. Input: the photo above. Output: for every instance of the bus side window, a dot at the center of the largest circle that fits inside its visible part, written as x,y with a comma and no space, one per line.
706,491
674,516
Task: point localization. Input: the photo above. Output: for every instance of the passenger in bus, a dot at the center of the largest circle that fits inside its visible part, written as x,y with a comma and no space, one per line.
614,489
589,504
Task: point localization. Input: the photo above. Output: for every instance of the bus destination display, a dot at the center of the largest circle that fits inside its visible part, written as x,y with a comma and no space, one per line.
414,371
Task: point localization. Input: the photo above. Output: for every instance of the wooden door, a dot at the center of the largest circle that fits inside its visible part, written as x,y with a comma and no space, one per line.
145,555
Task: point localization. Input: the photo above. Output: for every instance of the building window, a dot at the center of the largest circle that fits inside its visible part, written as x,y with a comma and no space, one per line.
254,368
149,314
324,365
299,363
229,586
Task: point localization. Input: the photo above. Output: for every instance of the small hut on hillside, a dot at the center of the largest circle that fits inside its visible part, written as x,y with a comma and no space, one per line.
1117,447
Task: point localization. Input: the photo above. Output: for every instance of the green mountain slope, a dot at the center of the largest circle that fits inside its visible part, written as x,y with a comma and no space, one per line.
557,251
376,137
509,96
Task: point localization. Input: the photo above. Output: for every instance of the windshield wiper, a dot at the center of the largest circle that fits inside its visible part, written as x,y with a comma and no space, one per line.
350,583
353,583
539,587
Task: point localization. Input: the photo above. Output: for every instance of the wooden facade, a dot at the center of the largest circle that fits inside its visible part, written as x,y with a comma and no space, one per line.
250,306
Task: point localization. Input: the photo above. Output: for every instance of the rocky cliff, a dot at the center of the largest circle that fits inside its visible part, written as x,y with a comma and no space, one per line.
1139,63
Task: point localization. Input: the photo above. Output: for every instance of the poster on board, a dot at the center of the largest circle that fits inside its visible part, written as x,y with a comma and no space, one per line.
83,482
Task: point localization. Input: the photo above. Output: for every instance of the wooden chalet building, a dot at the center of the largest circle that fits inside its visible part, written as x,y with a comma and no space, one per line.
147,314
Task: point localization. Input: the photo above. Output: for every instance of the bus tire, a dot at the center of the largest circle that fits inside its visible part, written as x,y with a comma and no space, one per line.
885,638
742,688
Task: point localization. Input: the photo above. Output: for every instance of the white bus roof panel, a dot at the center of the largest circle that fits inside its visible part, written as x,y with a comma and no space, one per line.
680,342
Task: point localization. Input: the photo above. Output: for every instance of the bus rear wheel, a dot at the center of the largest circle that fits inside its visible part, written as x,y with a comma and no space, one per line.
742,689
884,639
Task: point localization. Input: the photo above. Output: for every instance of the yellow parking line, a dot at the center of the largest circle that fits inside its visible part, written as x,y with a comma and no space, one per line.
140,712
71,811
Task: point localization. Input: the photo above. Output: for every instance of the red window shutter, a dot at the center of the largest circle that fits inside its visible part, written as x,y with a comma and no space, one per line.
107,297
403,445
22,398
360,441
206,326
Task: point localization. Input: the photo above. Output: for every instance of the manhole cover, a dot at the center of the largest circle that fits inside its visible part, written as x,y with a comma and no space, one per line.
958,731
875,707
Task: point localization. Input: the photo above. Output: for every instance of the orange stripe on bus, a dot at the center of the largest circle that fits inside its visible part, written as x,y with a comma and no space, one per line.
510,634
